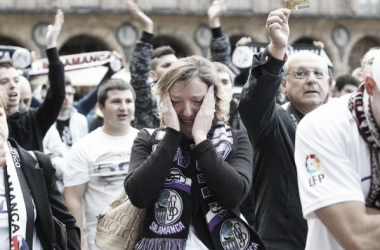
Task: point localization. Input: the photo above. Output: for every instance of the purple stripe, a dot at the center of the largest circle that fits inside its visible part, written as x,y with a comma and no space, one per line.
366,178
216,220
182,187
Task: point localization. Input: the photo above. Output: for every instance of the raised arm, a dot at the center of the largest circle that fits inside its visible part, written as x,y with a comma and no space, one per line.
257,105
140,17
277,26
87,103
220,46
140,66
215,11
53,30
49,110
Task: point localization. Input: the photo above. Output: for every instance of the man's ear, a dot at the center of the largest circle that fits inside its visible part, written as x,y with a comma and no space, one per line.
370,85
283,85
153,75
100,107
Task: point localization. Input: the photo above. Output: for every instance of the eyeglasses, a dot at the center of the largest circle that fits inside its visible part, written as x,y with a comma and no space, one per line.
304,73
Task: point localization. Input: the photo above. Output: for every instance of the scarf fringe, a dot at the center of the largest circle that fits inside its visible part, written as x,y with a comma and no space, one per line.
161,244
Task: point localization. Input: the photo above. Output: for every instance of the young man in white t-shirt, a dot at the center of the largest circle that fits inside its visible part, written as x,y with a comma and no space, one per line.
337,153
98,163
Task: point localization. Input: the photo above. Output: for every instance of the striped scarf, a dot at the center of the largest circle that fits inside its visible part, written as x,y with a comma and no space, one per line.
167,222
360,107
20,205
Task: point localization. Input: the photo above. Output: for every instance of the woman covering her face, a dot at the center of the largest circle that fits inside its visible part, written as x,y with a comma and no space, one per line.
193,172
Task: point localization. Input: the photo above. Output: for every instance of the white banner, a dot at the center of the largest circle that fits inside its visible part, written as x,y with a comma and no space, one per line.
79,61
242,55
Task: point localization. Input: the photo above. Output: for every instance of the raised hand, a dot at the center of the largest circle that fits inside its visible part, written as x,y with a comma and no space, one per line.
277,26
215,11
54,30
203,120
140,17
168,113
243,41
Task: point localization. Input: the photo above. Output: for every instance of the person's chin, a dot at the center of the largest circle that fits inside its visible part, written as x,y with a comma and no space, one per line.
186,131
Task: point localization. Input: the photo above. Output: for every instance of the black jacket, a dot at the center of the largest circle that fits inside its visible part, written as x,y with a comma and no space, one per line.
273,205
28,128
47,199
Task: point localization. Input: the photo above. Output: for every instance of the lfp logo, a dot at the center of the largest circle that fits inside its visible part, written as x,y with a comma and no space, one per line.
313,164
313,167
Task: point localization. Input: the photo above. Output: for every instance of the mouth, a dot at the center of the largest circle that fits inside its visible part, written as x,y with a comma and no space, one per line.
122,116
311,92
187,122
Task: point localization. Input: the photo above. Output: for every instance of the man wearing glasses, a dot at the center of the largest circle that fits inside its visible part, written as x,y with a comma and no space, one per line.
274,207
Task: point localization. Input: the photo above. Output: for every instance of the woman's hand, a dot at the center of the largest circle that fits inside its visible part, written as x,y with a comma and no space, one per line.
205,115
168,113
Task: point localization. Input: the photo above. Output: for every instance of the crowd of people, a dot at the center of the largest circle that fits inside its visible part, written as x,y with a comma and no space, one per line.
252,173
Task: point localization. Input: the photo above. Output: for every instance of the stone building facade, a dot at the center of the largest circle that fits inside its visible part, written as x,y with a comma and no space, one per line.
347,28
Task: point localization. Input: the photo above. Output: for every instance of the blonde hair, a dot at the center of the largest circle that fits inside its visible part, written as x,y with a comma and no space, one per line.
190,68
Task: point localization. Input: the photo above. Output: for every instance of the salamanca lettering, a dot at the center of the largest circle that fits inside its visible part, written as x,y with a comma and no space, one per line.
165,230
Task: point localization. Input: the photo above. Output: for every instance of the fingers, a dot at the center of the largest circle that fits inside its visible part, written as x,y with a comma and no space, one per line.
140,16
243,41
59,19
132,6
208,104
319,44
278,17
204,117
168,112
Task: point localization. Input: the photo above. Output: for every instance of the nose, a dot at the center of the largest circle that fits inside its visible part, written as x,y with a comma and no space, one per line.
187,110
123,106
13,83
311,79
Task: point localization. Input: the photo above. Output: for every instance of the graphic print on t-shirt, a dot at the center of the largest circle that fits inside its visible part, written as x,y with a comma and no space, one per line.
63,127
111,166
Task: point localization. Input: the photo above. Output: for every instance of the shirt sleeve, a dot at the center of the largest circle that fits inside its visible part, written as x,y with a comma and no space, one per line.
48,112
77,170
257,106
326,174
148,170
140,66
229,181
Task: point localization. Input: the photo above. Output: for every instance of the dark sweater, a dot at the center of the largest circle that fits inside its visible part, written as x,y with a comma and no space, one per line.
28,128
273,204
229,181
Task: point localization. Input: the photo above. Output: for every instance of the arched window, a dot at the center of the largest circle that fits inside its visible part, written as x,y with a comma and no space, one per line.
82,44
8,41
360,48
181,49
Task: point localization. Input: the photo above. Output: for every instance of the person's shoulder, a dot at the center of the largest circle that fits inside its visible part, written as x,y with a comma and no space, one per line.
335,111
79,117
89,139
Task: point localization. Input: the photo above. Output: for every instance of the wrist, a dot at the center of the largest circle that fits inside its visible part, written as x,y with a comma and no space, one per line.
199,139
277,51
214,23
51,45
148,27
